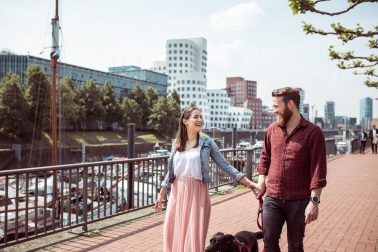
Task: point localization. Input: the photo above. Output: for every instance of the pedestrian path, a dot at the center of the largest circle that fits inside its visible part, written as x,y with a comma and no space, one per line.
348,219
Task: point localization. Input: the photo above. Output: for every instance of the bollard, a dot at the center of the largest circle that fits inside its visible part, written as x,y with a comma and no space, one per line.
130,168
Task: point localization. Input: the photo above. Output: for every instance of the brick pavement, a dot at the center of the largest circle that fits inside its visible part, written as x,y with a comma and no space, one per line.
348,218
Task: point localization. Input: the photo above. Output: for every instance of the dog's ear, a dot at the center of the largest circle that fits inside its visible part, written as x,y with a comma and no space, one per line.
230,237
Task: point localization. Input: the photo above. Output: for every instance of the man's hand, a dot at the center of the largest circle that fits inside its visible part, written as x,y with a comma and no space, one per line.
311,212
261,187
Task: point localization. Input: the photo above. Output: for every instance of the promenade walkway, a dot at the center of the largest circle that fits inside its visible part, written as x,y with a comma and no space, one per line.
348,218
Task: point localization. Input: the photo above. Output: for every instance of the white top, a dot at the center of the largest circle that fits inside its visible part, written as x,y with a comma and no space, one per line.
187,164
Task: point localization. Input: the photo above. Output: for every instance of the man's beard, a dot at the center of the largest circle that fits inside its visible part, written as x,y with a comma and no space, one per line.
285,117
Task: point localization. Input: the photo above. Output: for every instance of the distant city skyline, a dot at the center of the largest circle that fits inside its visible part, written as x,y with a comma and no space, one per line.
257,40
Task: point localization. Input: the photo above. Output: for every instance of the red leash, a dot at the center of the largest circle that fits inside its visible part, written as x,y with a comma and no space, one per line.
259,215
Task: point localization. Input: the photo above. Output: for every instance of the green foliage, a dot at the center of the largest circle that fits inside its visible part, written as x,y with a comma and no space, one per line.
38,96
13,107
175,96
152,96
139,95
348,59
90,101
70,110
132,113
111,105
164,116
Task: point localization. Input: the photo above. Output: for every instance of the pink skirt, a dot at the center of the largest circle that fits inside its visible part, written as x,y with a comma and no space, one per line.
187,216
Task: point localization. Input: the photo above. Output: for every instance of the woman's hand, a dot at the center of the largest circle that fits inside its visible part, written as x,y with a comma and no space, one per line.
248,183
159,202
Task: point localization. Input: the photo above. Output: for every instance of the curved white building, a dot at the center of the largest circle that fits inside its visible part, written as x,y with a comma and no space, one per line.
186,67
239,117
219,103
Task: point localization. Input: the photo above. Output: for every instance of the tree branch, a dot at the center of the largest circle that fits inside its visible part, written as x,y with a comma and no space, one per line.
303,6
343,33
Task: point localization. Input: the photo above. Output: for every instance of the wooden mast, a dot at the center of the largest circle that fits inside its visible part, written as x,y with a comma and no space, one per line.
54,61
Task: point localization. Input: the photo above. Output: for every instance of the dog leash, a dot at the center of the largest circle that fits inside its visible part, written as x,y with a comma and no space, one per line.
259,215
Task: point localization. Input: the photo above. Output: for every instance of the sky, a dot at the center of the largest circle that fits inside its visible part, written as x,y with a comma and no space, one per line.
259,40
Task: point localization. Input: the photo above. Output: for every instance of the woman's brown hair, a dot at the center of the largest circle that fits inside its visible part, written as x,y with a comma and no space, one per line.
182,133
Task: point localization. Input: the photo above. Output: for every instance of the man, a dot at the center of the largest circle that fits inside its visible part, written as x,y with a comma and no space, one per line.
362,136
373,133
292,172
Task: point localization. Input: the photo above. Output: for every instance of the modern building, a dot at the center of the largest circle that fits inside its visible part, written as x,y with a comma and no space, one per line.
366,112
219,104
329,115
18,64
186,67
239,117
136,72
342,122
302,96
268,117
243,93
319,122
306,111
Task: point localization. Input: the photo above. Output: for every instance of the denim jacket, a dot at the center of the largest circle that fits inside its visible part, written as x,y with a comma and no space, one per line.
208,149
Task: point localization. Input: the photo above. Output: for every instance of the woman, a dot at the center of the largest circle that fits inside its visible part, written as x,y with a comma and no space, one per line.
188,211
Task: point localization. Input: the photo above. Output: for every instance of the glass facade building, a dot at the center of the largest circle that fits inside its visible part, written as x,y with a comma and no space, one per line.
122,84
366,112
329,115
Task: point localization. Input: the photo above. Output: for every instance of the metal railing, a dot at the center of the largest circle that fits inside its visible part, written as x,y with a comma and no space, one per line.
36,202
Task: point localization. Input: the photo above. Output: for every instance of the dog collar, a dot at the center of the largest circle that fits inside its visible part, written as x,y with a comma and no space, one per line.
242,246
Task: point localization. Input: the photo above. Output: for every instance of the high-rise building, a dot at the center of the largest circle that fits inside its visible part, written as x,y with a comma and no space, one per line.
329,115
302,95
366,112
186,67
243,93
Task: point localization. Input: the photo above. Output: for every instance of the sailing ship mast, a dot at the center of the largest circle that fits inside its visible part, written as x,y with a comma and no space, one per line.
55,52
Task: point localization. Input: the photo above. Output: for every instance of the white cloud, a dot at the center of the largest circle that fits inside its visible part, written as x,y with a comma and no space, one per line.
237,17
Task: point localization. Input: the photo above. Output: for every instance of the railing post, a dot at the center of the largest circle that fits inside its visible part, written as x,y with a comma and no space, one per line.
234,137
130,169
85,199
249,164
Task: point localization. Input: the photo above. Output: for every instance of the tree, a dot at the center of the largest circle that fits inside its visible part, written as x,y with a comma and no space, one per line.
70,109
13,106
139,95
364,64
165,115
132,113
90,100
175,96
152,96
111,105
159,118
174,113
38,96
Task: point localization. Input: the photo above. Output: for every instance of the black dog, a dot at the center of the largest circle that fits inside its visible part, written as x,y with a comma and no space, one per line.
241,241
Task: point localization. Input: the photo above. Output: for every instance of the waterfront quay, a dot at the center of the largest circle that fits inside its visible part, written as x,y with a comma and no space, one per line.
348,219
348,215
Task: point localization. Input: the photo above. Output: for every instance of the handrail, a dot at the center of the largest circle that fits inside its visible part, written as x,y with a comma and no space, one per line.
40,201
